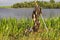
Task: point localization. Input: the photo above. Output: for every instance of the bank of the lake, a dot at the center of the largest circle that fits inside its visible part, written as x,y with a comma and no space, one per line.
5,7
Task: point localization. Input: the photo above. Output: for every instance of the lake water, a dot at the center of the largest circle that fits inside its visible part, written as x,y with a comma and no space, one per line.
27,12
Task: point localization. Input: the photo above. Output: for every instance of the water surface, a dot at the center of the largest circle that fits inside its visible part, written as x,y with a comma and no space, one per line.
27,12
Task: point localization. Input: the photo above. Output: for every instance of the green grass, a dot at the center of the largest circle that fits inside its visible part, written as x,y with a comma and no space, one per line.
12,29
5,6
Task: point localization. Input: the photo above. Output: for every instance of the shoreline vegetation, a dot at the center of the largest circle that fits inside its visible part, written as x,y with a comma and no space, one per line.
13,29
46,5
5,7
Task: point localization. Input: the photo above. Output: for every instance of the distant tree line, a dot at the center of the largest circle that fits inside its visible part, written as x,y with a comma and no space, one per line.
43,4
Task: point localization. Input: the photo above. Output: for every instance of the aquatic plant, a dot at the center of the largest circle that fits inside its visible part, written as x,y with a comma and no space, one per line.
12,29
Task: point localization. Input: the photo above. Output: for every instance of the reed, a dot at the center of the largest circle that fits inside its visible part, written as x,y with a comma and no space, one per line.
12,29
